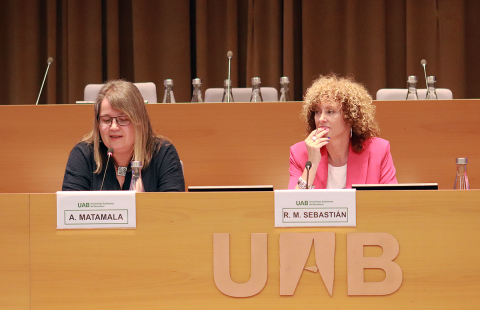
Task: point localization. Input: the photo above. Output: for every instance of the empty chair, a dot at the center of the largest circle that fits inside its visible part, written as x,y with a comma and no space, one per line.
401,93
91,91
269,94
148,91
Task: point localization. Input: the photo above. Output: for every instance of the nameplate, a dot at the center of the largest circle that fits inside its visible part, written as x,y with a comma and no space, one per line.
315,208
96,209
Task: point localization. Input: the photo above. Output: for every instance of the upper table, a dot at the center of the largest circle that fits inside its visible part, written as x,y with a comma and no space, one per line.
240,143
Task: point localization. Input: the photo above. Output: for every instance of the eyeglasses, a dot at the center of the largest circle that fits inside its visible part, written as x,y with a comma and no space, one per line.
107,120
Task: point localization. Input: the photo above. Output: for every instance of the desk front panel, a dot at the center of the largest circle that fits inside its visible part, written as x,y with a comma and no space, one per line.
14,251
166,263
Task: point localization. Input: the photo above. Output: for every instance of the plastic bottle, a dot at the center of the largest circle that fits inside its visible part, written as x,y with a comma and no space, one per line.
227,89
256,92
431,91
137,183
461,179
168,97
412,88
197,90
284,89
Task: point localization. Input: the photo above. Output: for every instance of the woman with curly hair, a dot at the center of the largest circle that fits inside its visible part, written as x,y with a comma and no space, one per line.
342,143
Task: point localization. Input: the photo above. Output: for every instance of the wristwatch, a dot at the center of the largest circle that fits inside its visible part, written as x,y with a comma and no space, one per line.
302,184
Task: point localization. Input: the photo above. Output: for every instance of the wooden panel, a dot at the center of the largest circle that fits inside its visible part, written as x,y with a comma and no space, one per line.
166,263
15,255
426,136
232,144
241,143
36,143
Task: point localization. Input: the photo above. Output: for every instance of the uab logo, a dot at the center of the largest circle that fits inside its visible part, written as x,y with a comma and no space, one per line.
294,249
302,203
83,205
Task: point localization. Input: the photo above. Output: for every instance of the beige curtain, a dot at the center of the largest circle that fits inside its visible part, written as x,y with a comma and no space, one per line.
379,42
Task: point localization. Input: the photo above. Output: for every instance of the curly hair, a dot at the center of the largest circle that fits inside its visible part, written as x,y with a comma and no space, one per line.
356,106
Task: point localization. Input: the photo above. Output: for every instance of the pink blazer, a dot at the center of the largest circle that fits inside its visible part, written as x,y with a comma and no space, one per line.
374,165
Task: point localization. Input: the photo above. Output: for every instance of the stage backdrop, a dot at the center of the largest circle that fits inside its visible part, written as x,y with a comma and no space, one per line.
379,42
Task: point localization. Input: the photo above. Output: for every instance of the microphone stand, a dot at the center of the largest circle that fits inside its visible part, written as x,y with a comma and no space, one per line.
109,153
308,165
424,65
44,78
229,56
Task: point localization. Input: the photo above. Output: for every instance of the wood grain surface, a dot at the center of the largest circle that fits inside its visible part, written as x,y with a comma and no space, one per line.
241,143
166,263
14,251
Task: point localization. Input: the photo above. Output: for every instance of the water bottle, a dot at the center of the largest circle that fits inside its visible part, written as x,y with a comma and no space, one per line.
197,90
227,91
256,92
461,180
431,92
168,97
136,184
412,88
284,89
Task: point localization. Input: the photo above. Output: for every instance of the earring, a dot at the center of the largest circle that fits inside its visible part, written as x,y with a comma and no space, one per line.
351,131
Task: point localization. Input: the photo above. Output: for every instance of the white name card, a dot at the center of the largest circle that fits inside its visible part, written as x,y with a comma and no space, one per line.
96,209
315,208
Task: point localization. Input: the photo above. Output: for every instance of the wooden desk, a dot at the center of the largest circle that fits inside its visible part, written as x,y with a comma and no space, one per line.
166,263
241,143
14,251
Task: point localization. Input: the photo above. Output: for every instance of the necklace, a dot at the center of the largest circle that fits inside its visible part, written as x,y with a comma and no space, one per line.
122,171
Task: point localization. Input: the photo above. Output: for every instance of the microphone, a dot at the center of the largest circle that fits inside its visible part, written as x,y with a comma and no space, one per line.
308,165
109,153
424,65
49,62
229,57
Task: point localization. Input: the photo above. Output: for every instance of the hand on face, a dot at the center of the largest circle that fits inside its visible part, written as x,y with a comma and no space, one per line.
328,115
314,142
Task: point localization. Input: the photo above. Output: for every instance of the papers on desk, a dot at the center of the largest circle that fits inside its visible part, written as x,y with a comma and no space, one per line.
315,208
96,209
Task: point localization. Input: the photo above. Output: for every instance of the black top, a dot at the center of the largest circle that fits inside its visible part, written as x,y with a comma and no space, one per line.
163,174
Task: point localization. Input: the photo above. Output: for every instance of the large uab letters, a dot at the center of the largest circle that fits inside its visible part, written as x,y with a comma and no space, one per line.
294,249
356,264
294,252
221,263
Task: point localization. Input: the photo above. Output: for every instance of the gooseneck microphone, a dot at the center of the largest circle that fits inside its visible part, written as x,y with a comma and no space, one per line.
109,153
229,57
424,65
308,165
49,62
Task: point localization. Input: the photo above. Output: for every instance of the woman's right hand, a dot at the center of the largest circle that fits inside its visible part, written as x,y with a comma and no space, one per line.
314,142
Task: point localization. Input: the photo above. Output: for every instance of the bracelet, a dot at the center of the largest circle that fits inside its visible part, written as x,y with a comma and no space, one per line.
302,184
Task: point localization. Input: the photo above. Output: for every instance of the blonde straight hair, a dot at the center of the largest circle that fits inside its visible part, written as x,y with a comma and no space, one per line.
126,98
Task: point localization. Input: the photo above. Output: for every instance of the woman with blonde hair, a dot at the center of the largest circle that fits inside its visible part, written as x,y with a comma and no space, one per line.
122,124
342,144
